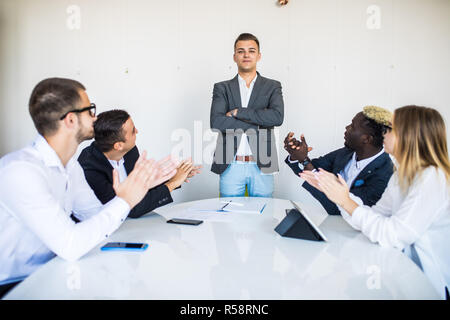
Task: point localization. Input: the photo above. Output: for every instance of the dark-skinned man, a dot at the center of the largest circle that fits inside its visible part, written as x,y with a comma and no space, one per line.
362,161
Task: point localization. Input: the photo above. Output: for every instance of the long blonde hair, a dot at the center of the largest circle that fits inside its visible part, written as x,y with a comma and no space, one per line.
421,142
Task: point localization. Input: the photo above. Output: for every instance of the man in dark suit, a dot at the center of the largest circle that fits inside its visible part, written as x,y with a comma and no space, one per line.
115,148
362,161
244,112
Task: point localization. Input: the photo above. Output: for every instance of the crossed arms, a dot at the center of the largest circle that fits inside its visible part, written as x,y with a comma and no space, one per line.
223,116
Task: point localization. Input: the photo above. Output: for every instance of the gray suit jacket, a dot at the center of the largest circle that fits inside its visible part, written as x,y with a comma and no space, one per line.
264,111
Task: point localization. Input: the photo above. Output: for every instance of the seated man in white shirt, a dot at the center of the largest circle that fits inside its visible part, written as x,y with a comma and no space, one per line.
362,161
42,184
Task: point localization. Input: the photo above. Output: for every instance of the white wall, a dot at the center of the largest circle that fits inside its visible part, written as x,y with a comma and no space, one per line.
159,60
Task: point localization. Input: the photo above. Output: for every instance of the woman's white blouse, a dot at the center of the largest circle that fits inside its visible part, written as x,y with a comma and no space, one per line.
416,222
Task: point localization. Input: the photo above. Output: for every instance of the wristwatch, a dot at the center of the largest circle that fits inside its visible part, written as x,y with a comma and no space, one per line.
306,161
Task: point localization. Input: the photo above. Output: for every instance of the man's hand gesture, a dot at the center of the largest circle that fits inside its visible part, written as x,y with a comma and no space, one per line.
298,150
145,175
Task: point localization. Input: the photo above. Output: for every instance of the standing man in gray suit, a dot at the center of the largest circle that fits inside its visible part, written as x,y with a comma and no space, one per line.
244,112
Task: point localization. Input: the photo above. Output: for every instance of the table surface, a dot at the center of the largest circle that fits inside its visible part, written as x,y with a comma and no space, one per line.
241,257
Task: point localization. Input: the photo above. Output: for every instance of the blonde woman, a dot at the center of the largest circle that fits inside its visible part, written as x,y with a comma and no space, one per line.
413,213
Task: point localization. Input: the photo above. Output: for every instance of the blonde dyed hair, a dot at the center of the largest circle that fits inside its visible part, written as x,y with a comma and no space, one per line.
421,142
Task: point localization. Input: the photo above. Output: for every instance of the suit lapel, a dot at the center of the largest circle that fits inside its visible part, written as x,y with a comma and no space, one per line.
343,160
379,161
130,159
256,90
235,93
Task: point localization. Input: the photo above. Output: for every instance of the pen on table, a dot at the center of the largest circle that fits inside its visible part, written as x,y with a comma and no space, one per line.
227,203
233,203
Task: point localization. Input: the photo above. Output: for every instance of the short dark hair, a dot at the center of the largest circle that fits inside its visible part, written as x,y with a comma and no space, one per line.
108,129
50,99
376,130
245,37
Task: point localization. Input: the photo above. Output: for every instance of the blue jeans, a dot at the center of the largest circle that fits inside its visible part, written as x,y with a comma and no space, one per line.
239,174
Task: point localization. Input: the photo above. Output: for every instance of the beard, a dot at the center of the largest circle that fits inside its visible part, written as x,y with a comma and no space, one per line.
349,146
84,134
346,144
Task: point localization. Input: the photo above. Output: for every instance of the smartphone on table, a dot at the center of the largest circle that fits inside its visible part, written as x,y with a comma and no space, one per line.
125,246
185,221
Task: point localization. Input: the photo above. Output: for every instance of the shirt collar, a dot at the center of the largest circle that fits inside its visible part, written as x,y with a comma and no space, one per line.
49,155
242,81
364,162
117,164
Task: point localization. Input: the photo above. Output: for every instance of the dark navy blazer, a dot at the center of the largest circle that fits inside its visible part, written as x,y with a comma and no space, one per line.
369,185
98,173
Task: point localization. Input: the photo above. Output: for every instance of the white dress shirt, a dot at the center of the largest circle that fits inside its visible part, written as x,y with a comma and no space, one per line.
37,196
244,147
417,222
120,167
354,167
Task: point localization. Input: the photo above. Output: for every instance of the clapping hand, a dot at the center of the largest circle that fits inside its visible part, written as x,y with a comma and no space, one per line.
195,170
167,169
335,188
311,178
145,175
185,170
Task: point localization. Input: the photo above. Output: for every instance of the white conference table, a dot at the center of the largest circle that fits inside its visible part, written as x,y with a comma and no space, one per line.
241,257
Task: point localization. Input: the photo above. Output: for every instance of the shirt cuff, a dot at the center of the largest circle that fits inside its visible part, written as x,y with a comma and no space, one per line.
349,218
291,161
357,217
120,207
300,166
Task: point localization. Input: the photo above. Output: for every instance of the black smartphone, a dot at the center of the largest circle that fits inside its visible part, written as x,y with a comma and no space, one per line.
125,246
185,221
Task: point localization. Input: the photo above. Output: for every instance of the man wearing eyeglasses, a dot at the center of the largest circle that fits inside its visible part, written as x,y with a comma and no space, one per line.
42,185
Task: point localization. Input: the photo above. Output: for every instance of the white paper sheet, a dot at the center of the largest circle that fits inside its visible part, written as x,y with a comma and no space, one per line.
243,205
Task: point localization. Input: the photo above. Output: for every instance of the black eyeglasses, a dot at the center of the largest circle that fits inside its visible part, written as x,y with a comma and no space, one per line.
92,110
